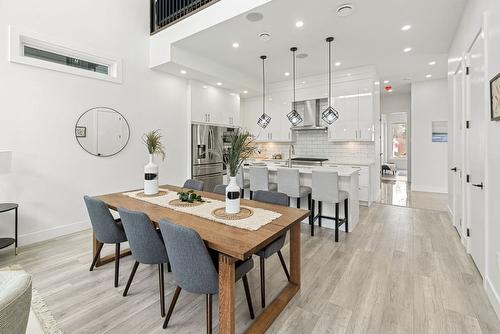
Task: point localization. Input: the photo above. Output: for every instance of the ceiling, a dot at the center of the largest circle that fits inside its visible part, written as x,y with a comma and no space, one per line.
372,35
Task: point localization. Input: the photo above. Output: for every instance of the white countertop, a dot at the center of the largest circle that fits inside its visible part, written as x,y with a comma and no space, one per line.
342,170
331,161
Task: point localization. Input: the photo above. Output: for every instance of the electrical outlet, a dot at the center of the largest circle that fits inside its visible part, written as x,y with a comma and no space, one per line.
498,260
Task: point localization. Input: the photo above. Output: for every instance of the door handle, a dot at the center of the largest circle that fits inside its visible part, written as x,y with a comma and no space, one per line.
454,169
480,185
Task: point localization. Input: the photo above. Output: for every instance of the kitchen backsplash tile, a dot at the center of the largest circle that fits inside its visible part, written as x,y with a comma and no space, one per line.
316,144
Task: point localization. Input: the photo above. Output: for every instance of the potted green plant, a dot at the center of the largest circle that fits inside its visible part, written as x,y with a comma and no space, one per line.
241,147
152,140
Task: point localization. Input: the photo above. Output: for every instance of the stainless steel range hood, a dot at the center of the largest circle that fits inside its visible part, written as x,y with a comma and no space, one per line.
310,110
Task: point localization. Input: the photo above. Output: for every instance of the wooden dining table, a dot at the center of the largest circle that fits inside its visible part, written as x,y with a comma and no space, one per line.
233,244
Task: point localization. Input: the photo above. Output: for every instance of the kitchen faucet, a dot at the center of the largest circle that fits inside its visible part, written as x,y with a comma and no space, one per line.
291,150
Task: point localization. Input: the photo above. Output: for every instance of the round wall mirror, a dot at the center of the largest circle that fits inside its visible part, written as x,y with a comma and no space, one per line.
102,131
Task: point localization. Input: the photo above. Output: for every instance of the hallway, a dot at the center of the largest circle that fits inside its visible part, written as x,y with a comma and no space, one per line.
397,192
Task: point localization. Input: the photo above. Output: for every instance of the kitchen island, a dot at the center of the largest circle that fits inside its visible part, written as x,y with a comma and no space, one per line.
348,181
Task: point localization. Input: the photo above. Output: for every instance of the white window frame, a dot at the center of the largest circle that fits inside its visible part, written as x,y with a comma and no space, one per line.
19,38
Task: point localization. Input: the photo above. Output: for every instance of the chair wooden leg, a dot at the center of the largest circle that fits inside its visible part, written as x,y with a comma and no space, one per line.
336,222
94,261
249,296
117,263
309,199
172,305
311,218
251,195
161,281
263,282
169,268
131,277
242,193
283,264
320,212
209,314
298,203
346,215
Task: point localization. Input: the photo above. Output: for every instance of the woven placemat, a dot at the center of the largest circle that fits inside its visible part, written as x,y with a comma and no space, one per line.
181,204
160,193
221,214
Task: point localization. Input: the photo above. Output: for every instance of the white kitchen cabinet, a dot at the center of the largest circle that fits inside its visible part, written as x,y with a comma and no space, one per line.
213,105
366,181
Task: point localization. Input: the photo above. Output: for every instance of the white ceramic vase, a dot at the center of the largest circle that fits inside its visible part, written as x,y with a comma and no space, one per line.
232,196
151,180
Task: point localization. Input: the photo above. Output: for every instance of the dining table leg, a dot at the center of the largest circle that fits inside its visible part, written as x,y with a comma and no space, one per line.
226,294
295,254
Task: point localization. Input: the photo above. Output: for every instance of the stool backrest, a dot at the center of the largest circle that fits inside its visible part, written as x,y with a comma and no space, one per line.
289,181
191,262
193,184
103,223
240,178
145,242
325,186
271,197
259,178
220,189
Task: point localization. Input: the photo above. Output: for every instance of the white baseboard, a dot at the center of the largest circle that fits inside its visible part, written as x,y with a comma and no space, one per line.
31,238
428,189
492,295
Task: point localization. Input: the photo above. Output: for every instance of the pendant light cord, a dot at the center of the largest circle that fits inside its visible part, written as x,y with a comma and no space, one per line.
329,72
293,68
263,85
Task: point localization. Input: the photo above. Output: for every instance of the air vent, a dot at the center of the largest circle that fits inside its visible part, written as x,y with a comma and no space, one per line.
345,9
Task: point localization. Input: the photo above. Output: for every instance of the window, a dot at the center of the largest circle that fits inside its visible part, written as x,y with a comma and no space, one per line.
398,140
30,48
65,60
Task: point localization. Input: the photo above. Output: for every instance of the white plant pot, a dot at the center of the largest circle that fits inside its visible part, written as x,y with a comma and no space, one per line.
232,196
151,177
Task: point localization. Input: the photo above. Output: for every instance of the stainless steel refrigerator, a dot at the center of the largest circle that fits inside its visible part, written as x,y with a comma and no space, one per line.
207,165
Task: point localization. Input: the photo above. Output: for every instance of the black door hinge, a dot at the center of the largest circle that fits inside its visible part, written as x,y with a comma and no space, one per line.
468,232
467,178
467,124
467,70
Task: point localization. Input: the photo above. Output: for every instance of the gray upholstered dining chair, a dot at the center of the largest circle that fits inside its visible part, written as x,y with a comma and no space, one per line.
289,184
195,268
220,189
274,247
259,180
146,244
107,229
325,186
15,301
193,184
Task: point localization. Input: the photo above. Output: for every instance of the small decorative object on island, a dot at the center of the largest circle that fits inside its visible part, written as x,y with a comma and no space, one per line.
152,140
241,148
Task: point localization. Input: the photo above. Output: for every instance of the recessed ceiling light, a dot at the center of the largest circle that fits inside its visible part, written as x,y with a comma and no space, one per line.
183,72
302,55
406,50
386,81
377,83
345,9
432,63
254,17
303,82
245,92
236,45
264,37
406,27
205,87
428,76
299,24
338,63
270,99
286,74
219,84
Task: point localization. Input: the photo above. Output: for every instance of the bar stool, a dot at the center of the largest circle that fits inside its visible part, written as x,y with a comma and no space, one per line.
259,180
325,188
289,184
242,182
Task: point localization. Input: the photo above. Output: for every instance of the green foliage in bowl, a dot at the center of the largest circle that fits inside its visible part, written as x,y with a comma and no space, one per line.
189,196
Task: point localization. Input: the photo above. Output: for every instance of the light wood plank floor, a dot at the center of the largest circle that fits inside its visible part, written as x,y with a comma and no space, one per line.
402,270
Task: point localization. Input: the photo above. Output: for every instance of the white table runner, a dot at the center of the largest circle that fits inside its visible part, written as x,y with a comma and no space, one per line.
259,218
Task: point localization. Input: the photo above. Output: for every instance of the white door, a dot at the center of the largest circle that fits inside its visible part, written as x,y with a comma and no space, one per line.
475,155
457,168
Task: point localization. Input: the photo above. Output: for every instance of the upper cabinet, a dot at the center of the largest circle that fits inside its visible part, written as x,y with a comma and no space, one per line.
355,104
213,105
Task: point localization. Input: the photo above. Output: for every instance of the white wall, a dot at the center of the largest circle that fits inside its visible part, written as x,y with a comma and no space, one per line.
39,109
471,22
429,161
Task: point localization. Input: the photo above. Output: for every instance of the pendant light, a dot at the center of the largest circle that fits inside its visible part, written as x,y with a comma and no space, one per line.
293,116
330,115
264,119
